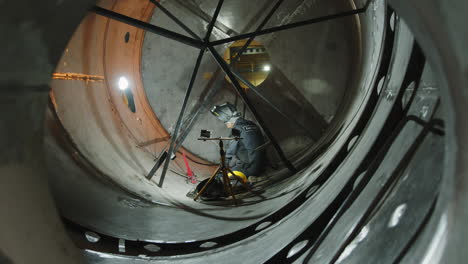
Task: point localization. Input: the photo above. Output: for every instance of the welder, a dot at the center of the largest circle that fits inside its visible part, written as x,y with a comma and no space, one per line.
244,157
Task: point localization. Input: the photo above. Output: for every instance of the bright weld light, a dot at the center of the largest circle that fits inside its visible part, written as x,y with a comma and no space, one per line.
266,68
123,83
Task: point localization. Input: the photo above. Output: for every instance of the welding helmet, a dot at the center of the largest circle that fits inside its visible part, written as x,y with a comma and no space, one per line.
226,112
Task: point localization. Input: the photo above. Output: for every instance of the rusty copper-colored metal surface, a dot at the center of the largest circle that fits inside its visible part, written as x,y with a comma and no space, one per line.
108,48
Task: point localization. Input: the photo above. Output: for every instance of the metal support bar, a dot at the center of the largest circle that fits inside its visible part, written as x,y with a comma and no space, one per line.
187,95
233,76
156,166
213,20
262,24
253,88
196,11
179,120
148,27
175,19
290,26
190,120
187,125
247,101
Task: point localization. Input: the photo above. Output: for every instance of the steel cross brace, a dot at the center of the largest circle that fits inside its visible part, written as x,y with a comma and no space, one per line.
175,19
292,25
196,42
223,64
148,27
187,95
262,124
265,20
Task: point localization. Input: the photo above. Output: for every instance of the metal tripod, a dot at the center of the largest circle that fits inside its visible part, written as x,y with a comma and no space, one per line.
224,170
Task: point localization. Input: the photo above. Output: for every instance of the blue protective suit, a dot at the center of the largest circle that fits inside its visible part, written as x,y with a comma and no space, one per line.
241,155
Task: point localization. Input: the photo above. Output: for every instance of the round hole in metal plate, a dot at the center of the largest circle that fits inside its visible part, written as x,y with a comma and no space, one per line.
358,179
208,244
352,142
317,168
152,248
312,190
296,248
393,21
92,237
263,225
380,85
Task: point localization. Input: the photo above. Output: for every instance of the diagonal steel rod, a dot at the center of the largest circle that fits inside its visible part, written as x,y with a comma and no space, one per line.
190,121
175,19
262,24
249,84
156,166
289,26
187,95
254,88
193,117
179,120
225,67
148,27
188,124
213,20
196,11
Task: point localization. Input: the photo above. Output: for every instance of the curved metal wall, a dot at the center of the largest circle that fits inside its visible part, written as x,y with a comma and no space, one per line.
118,142
412,143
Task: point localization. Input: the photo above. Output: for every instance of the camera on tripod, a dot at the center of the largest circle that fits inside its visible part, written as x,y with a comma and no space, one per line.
206,135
